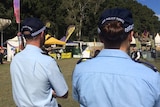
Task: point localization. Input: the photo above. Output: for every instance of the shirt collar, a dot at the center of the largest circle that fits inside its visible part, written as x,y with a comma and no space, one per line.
34,48
113,53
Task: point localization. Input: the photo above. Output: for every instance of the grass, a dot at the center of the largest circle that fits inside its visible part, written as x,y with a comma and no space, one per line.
6,100
5,87
66,66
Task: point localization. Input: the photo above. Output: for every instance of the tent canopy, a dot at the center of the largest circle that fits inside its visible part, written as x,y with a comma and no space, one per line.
14,42
4,23
49,40
157,40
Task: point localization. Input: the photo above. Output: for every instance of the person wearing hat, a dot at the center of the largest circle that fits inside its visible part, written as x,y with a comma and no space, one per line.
36,77
112,78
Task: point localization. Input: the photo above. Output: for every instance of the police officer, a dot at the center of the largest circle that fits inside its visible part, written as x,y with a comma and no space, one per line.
36,77
112,78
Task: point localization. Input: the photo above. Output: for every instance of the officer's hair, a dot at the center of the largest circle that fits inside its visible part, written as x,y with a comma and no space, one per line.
112,32
29,37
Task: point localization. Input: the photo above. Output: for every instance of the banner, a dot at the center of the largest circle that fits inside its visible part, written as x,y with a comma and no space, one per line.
70,30
16,5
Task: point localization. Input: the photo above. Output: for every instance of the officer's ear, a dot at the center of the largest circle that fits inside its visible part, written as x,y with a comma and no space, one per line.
42,34
130,36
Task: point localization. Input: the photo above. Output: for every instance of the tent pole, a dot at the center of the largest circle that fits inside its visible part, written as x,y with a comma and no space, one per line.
2,38
19,27
19,37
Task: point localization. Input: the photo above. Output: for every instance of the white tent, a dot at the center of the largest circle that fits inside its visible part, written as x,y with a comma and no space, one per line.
133,40
157,40
12,45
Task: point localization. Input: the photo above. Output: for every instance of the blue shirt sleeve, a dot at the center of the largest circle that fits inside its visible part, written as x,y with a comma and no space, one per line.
56,79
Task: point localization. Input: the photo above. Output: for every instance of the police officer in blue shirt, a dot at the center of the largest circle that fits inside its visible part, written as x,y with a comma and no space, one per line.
112,78
36,78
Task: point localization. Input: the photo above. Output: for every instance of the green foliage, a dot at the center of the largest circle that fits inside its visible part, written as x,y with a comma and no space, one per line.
83,14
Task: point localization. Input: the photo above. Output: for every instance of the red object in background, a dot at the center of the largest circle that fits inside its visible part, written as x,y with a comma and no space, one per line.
16,5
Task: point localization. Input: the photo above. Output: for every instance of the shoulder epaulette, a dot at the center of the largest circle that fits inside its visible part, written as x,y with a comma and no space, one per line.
45,53
148,65
82,59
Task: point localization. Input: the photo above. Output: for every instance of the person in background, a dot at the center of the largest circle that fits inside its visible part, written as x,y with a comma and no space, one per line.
153,53
112,78
36,77
136,54
1,55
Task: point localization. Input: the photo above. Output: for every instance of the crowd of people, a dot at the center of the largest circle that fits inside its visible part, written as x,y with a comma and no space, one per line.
110,79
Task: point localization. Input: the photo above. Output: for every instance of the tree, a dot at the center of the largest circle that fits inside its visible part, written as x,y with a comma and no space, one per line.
77,12
84,14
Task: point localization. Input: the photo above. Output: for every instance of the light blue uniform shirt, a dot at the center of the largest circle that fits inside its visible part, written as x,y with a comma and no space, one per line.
112,79
34,75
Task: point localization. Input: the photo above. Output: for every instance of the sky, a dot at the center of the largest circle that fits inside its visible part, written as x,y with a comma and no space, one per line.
152,4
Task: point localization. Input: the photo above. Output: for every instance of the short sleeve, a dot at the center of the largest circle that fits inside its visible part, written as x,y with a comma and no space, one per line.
56,79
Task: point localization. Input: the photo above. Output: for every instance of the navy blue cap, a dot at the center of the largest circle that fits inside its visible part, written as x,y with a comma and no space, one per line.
33,25
119,14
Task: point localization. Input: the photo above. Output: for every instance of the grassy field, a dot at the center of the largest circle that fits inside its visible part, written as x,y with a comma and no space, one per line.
6,99
66,66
